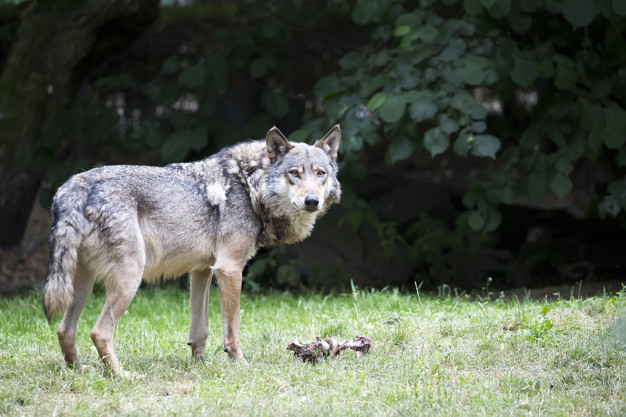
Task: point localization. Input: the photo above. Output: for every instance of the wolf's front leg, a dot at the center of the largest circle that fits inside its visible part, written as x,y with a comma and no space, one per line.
200,286
228,275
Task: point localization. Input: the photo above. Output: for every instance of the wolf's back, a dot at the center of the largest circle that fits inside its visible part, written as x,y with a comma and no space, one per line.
69,226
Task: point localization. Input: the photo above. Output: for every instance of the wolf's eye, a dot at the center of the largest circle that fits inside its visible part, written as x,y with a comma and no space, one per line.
321,173
294,173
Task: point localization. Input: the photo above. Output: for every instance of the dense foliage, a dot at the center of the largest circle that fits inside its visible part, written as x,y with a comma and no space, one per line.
531,94
536,86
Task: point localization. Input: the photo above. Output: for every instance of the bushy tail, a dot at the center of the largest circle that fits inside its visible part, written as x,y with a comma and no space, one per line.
68,229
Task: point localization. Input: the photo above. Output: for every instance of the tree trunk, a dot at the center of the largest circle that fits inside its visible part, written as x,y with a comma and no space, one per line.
57,45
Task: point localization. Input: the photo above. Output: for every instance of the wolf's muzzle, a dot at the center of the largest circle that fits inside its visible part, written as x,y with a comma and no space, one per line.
311,202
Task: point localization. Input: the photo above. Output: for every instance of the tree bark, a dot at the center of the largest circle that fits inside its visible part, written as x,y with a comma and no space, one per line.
57,45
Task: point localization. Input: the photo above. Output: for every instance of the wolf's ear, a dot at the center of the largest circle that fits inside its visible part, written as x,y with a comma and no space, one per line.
277,144
330,142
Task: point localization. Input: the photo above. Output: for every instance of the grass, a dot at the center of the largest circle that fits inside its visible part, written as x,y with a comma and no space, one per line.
446,355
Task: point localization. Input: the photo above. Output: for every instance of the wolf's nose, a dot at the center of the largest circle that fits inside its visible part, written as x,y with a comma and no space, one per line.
311,202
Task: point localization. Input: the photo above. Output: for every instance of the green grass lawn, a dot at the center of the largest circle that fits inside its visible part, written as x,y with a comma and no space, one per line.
447,355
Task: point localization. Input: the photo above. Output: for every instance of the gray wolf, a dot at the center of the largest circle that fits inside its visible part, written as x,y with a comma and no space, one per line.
120,224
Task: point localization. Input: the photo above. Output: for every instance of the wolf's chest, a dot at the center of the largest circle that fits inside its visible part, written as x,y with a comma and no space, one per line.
286,230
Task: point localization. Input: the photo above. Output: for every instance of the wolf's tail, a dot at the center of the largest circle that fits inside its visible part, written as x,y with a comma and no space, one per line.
69,226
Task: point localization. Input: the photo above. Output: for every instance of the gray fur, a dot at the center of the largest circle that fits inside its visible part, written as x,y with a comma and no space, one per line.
119,224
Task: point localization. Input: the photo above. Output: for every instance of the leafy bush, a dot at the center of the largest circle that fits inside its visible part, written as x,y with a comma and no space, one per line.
533,88
454,76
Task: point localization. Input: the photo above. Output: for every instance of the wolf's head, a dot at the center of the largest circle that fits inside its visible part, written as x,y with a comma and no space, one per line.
305,174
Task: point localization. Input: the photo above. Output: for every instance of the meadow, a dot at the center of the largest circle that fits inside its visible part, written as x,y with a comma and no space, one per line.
445,354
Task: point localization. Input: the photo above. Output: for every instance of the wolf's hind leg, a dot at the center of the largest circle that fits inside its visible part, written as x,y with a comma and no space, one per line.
200,286
83,284
121,286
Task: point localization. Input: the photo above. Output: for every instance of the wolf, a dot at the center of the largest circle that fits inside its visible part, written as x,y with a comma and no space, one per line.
120,224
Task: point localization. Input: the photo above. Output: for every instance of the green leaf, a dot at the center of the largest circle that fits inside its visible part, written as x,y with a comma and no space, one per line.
565,77
563,60
579,13
507,195
178,143
473,73
535,184
524,72
402,30
476,220
447,125
392,109
400,148
436,141
472,7
455,49
494,218
299,135
520,22
422,109
352,144
192,76
477,112
485,146
407,40
500,9
615,126
618,189
478,127
462,100
350,61
258,67
409,80
560,184
619,7
377,101
369,85
362,12
327,85
412,20
421,55
488,3
427,33
463,144
563,166
609,205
